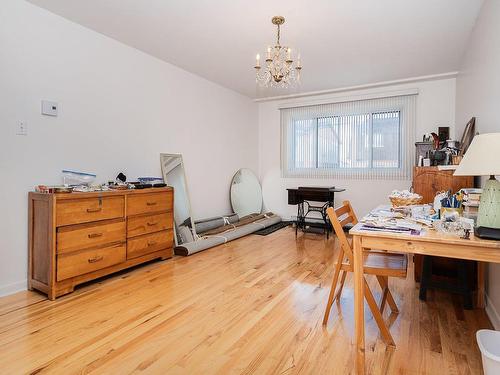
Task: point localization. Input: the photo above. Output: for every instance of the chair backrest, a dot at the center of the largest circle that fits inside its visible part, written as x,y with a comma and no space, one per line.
339,217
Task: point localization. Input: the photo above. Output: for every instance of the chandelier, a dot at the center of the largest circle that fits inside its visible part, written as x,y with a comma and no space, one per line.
279,70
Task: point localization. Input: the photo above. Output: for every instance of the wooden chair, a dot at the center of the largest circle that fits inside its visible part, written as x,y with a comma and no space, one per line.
381,264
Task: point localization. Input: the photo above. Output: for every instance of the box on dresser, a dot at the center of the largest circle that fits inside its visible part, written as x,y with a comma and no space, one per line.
77,237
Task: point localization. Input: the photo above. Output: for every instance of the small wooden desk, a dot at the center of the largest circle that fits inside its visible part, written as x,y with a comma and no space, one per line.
428,243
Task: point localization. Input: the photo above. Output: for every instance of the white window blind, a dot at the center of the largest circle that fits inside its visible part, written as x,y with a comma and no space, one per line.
370,138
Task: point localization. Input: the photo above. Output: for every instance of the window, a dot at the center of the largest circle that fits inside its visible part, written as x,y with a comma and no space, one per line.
368,138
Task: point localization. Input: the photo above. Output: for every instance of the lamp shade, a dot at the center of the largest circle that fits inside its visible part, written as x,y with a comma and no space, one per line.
482,157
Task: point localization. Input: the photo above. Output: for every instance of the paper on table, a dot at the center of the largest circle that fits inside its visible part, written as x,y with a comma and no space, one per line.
408,224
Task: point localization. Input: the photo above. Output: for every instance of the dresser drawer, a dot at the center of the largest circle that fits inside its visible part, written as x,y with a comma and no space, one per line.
73,238
149,243
149,203
89,209
82,262
140,225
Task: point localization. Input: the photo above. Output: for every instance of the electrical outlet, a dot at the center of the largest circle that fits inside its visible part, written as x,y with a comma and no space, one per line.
22,128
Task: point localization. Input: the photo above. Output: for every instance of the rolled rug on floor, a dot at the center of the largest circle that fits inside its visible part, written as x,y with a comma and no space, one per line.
207,242
205,225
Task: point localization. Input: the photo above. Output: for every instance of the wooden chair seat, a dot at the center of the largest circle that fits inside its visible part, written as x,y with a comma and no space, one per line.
382,264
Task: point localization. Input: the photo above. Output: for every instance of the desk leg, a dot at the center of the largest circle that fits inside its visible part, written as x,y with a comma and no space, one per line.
480,284
359,314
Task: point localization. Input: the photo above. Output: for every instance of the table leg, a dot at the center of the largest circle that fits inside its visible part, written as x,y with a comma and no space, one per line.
359,314
480,284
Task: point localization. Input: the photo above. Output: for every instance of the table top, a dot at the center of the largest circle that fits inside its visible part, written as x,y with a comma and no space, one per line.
427,235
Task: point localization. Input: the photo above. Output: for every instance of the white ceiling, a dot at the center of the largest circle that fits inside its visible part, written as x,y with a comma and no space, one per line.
342,42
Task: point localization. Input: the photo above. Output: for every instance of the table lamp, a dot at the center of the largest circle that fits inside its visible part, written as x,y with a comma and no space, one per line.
483,159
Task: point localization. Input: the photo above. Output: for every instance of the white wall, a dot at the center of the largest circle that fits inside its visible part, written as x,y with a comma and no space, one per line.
435,107
119,108
478,94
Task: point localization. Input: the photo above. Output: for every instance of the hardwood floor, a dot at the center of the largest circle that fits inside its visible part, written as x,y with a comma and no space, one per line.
252,306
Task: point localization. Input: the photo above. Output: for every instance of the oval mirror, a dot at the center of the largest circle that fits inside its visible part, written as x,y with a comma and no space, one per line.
246,193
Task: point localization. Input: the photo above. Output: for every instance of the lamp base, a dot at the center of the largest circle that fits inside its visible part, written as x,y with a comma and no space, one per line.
489,207
487,233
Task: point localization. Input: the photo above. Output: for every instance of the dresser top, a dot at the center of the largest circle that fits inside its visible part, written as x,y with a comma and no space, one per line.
94,194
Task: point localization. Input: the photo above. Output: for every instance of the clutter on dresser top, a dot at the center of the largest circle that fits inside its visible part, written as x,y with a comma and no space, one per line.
83,182
437,149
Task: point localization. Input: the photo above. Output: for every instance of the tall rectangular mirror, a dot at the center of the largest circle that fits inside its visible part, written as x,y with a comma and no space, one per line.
172,168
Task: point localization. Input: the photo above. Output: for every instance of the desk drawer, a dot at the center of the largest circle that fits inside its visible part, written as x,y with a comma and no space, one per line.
89,235
149,243
82,262
149,203
139,225
89,209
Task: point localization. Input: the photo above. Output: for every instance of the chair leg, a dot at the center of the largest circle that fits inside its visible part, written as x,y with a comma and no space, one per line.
332,292
378,316
342,281
387,295
383,300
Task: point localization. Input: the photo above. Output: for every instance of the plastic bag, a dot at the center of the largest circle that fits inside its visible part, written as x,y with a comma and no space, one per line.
73,178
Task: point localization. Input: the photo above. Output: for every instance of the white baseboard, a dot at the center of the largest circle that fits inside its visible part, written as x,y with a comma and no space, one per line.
492,314
5,290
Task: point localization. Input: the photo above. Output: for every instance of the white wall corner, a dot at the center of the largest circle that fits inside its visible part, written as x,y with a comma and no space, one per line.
7,289
492,314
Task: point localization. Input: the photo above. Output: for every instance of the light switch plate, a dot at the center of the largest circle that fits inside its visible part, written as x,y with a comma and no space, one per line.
49,108
21,128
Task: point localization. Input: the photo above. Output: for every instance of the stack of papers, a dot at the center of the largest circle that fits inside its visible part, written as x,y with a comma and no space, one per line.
387,220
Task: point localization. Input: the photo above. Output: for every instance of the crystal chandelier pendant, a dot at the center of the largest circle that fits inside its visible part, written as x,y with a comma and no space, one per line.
279,69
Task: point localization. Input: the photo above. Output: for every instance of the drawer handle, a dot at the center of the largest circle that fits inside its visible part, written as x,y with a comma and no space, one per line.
152,243
95,235
95,259
151,203
94,209
152,224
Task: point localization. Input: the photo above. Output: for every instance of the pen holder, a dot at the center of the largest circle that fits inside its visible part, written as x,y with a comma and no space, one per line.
449,211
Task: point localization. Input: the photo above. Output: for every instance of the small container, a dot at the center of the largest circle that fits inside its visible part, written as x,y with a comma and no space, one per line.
489,345
72,178
448,211
456,159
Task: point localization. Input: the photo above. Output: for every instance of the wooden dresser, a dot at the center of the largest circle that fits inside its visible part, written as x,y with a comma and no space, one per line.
77,237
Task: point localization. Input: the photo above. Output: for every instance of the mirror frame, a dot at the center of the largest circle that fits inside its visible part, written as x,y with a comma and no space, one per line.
164,174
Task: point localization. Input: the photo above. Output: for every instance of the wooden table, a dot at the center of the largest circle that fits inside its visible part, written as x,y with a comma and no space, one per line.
428,243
